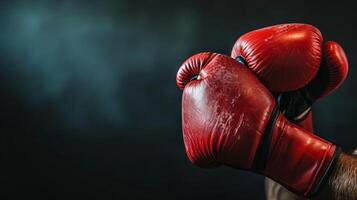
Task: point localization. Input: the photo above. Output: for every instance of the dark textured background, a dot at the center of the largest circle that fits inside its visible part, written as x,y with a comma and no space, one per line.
89,105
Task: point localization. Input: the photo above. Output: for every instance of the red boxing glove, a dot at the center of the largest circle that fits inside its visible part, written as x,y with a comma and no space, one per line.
293,59
230,118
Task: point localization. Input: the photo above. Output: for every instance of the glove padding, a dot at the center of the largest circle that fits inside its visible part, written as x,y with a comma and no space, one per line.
230,118
293,59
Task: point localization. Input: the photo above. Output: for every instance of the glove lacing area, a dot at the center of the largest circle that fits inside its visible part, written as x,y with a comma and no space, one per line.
295,105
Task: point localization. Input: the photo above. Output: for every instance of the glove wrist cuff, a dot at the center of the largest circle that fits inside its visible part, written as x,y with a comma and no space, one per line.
298,159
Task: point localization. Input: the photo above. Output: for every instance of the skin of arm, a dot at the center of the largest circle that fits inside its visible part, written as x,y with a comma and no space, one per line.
342,183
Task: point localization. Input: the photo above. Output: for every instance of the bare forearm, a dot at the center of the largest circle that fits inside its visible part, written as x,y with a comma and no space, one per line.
342,184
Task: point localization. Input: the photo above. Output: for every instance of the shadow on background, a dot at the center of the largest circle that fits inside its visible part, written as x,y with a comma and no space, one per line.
89,105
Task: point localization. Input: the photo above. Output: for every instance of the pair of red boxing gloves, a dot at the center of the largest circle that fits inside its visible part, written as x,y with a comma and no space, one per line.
252,110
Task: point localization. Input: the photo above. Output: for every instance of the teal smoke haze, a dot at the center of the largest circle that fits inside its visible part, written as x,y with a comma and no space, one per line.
80,61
